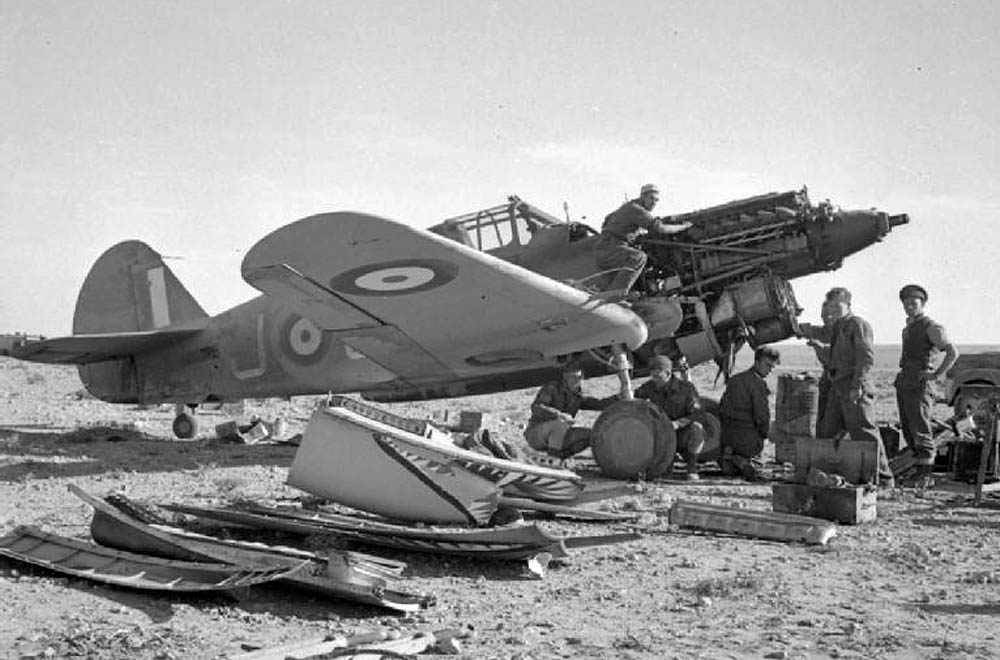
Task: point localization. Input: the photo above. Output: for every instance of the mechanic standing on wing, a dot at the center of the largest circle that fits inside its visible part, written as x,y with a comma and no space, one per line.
550,428
614,249
922,339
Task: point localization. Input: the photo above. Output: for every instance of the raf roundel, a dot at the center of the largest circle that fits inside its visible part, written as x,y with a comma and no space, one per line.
302,341
391,278
304,337
395,279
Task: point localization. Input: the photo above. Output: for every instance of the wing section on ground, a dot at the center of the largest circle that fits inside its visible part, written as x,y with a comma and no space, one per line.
85,349
422,305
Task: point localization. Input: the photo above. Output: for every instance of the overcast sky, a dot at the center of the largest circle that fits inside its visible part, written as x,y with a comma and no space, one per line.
198,127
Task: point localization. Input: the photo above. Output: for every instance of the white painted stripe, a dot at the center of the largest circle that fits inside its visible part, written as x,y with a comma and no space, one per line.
158,297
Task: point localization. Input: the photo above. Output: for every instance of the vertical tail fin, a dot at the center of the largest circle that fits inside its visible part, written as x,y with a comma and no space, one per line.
129,289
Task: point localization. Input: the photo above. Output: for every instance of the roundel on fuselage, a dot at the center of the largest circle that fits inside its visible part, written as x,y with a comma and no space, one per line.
393,278
302,341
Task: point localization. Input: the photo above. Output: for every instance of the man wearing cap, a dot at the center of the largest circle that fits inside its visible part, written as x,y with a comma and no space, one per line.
746,415
849,404
614,251
923,339
670,388
550,428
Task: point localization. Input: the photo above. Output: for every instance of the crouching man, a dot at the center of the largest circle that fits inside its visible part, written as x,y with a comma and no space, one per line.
550,428
746,416
670,388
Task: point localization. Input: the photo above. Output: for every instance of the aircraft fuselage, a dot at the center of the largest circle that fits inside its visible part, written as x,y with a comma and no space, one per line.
260,348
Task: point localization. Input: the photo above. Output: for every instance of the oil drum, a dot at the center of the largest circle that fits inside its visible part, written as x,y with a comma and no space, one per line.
713,434
795,412
632,439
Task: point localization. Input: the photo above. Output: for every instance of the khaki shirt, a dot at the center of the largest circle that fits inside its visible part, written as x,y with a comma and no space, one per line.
852,351
555,397
935,332
677,398
745,402
923,338
626,222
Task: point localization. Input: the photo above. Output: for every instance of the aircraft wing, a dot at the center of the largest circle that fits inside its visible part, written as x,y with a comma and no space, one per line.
84,349
425,306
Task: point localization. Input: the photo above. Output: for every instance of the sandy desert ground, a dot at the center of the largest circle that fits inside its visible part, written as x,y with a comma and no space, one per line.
921,582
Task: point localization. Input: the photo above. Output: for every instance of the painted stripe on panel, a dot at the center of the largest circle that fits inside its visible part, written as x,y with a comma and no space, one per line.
158,297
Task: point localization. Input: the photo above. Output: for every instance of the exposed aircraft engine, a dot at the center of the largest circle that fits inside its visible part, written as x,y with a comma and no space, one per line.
778,233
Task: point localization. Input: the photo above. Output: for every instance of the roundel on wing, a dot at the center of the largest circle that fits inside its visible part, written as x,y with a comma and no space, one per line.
394,278
302,341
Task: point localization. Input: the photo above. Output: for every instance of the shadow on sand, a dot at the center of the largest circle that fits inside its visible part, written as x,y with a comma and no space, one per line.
26,453
991,609
954,521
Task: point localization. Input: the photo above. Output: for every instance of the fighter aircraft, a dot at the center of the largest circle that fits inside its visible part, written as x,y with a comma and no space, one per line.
489,301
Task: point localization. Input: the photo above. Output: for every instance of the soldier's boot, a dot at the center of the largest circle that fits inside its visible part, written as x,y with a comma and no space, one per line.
726,463
747,468
922,477
695,445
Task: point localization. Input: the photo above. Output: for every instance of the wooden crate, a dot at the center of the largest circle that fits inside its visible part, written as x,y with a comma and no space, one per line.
852,505
785,444
855,460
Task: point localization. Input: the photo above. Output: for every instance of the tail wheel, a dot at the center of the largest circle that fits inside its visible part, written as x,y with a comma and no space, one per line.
185,425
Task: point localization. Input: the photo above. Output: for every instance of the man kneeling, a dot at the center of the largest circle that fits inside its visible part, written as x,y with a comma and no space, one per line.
746,416
550,428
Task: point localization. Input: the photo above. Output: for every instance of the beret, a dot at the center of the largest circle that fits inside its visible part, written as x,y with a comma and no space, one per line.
913,291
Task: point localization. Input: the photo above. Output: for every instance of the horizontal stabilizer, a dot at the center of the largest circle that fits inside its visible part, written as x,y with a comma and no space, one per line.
86,349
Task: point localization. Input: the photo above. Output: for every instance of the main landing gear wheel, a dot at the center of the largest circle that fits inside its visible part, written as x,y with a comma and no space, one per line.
185,425
632,439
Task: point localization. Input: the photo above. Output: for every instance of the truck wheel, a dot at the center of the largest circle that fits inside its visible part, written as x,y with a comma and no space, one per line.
980,399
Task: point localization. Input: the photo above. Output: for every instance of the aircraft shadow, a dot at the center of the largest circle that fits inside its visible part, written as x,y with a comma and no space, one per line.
958,522
992,609
27,454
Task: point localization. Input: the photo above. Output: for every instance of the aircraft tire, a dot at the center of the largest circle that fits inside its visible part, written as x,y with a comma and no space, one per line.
185,426
633,439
